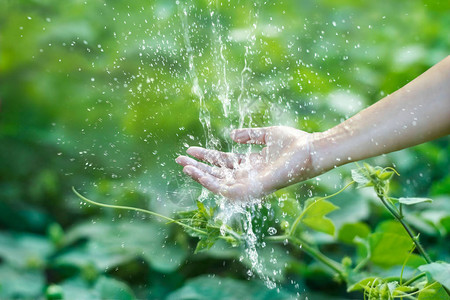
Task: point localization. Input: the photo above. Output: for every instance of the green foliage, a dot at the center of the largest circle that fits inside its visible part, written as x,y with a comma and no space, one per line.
97,95
439,271
389,248
209,228
314,215
390,245
412,201
350,231
206,287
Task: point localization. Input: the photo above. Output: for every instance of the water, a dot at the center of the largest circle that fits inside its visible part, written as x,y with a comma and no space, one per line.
195,55
228,210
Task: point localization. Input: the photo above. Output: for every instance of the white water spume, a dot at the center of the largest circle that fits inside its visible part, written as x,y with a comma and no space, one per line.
238,110
230,211
204,115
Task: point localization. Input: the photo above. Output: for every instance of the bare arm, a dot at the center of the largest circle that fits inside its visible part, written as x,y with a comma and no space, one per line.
416,113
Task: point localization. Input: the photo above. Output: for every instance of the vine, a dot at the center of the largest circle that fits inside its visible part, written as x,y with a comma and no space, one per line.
202,223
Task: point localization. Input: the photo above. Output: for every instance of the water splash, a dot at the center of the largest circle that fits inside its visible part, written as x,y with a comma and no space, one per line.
245,213
237,113
204,114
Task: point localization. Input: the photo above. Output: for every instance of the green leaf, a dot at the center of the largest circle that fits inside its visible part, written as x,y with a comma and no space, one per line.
389,245
389,249
20,283
205,244
114,243
202,209
372,176
360,177
391,226
348,232
360,284
314,215
110,288
218,288
439,271
385,175
24,250
290,207
433,291
412,201
79,287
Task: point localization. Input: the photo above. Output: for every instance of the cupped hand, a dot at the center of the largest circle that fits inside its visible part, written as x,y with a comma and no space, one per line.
285,159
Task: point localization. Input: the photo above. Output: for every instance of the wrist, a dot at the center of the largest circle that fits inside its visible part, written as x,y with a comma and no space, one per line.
328,151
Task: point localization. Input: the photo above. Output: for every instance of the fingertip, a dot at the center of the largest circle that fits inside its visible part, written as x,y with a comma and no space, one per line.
179,159
194,151
239,135
189,170
184,160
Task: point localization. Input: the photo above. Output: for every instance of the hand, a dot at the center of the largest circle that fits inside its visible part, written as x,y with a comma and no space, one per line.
286,159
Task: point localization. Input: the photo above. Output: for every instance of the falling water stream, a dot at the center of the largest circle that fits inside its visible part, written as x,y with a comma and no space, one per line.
231,109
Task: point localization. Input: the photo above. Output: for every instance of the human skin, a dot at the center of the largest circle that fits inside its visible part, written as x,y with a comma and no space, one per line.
416,113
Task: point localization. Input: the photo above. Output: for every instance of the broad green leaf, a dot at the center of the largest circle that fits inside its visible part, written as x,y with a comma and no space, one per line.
389,249
433,291
76,286
412,201
91,254
120,241
110,288
24,250
314,216
390,244
391,226
439,271
348,232
20,283
352,209
218,288
291,208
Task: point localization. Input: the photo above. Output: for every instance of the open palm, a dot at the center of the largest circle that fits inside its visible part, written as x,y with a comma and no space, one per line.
285,159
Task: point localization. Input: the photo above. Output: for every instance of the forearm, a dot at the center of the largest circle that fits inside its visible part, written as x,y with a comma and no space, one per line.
416,113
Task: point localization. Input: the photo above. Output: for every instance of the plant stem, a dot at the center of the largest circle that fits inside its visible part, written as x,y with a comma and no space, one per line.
314,253
297,221
138,210
408,282
405,225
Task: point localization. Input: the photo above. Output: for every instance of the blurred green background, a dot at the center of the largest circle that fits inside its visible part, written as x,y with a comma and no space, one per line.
98,95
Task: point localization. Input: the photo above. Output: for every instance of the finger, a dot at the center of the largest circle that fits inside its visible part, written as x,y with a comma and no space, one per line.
212,184
186,161
250,135
218,158
208,181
